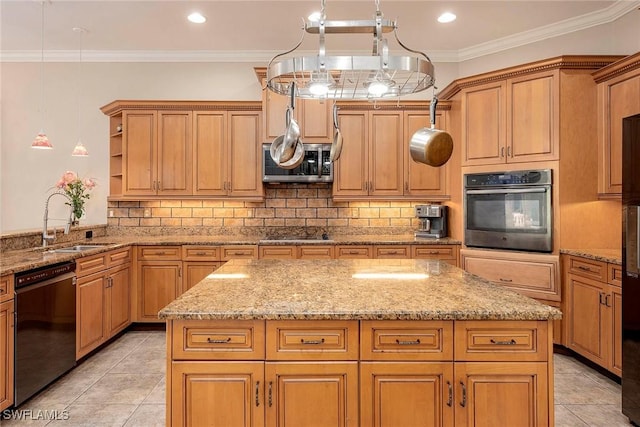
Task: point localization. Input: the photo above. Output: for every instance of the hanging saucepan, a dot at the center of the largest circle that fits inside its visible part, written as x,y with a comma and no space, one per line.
292,133
431,146
296,160
336,146
276,145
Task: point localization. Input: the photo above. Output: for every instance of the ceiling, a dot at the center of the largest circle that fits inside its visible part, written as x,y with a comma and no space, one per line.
243,30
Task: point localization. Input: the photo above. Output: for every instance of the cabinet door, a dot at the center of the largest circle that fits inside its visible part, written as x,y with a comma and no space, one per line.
386,159
312,394
118,300
194,272
139,155
587,318
351,170
90,297
532,128
617,98
209,156
6,354
614,303
174,153
245,154
277,252
159,283
274,109
421,179
483,124
502,394
316,120
406,394
217,394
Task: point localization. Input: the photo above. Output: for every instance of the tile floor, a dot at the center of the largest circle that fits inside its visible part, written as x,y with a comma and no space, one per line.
123,385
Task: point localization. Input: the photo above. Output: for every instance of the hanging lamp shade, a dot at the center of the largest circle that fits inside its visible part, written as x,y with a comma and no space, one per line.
41,140
80,150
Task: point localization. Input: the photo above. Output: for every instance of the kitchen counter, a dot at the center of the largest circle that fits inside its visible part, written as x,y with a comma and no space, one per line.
351,289
27,259
612,256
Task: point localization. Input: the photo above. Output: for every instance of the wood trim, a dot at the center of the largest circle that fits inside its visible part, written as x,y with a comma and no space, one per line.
117,106
622,66
564,62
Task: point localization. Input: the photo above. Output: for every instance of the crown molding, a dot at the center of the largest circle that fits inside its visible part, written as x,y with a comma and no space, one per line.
603,16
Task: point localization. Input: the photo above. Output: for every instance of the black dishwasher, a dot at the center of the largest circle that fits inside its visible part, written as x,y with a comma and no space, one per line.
45,327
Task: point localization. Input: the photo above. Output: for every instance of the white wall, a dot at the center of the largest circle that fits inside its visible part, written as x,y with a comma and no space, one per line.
28,175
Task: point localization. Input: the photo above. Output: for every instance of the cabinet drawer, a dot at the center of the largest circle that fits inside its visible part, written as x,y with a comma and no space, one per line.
6,287
238,252
354,252
312,340
596,270
218,339
277,252
200,253
151,253
501,341
315,252
91,264
392,251
400,340
118,256
433,251
614,275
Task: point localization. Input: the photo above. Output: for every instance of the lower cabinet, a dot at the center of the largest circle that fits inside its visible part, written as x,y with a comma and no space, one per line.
159,279
400,373
6,353
103,299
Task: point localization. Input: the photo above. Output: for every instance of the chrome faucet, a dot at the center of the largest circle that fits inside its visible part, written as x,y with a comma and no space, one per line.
48,238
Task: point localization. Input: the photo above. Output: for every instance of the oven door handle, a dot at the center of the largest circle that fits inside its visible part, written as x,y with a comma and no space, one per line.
509,191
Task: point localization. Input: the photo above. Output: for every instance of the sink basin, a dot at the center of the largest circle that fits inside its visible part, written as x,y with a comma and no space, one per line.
76,248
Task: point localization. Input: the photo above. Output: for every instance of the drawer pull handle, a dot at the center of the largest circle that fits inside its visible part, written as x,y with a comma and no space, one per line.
257,395
506,280
510,342
450,400
463,402
201,253
434,252
160,253
212,341
583,268
416,342
315,342
270,393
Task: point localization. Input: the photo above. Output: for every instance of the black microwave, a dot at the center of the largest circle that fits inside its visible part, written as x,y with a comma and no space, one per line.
316,166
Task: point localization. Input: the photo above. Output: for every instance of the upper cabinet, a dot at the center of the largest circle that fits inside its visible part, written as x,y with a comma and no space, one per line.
618,97
511,121
184,149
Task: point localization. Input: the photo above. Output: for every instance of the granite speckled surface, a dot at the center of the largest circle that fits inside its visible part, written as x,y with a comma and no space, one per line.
27,259
613,256
351,289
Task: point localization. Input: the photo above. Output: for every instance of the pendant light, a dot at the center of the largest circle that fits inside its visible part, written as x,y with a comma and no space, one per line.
41,140
79,150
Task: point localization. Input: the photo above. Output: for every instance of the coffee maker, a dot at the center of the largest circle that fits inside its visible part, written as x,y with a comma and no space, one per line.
433,221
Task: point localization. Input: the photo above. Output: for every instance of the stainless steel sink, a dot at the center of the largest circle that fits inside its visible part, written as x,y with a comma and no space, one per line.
76,248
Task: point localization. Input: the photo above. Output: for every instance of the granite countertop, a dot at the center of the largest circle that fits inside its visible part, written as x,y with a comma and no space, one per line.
613,256
27,259
351,289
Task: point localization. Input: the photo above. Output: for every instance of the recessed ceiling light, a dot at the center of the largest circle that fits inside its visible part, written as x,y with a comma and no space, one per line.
197,18
314,17
446,17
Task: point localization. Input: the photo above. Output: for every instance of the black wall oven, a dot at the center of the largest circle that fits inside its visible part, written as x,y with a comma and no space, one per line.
509,210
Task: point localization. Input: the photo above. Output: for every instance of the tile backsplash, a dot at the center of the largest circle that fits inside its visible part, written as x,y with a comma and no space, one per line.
292,207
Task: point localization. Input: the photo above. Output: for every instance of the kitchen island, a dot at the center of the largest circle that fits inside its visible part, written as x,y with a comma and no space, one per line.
356,343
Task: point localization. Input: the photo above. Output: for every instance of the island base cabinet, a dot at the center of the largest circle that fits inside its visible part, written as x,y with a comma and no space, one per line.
312,394
216,394
512,394
406,394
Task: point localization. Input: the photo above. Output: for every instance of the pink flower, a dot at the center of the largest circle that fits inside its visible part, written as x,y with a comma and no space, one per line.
69,177
60,184
89,183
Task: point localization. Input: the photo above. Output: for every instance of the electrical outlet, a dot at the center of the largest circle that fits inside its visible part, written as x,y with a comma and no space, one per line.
147,213
110,213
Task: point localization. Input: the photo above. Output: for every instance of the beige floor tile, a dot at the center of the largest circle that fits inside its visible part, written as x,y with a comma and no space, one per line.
152,359
96,414
156,340
563,364
600,415
157,395
566,418
148,415
121,388
579,389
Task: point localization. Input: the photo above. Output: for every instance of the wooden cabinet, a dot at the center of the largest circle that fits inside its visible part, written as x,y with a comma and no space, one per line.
354,251
618,97
103,297
534,275
159,279
6,351
512,121
238,252
593,311
313,116
392,251
296,252
180,148
420,179
446,253
277,252
197,263
6,287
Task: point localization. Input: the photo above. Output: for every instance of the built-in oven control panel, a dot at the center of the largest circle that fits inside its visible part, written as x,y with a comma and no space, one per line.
526,177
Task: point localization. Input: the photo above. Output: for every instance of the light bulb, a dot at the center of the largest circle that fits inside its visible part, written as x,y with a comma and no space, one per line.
377,88
446,17
197,18
319,88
